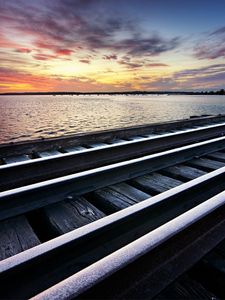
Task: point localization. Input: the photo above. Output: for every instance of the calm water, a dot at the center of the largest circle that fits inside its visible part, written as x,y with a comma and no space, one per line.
29,117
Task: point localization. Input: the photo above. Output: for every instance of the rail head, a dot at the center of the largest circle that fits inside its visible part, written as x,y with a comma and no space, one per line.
33,260
36,170
23,199
80,282
106,222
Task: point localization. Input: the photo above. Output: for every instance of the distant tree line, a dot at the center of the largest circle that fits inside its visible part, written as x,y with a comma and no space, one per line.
220,92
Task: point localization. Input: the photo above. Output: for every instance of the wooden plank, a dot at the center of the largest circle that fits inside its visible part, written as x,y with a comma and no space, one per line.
211,271
206,164
118,196
136,138
151,135
67,215
155,183
97,145
117,141
216,261
183,172
221,248
74,149
17,158
48,153
185,288
217,155
130,191
16,235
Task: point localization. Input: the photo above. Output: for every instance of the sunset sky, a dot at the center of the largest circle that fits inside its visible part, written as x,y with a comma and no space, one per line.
111,45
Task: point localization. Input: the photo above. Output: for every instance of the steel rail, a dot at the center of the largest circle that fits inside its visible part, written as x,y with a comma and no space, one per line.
38,268
19,200
103,270
31,171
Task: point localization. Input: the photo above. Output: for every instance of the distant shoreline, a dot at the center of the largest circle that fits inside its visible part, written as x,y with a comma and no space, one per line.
220,92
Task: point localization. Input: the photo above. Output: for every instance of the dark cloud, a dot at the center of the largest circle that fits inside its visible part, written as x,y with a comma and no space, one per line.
44,56
210,51
211,77
59,26
110,57
23,50
219,31
85,61
213,46
156,65
130,65
147,46
134,63
205,71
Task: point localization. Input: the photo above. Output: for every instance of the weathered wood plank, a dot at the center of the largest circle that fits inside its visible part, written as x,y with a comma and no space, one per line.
206,164
221,248
17,158
136,138
74,149
217,155
118,196
67,215
97,145
155,183
183,172
117,141
151,135
211,271
185,288
48,153
130,191
16,235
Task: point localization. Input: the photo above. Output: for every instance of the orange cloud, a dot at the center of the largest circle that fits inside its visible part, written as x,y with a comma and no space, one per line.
23,50
14,81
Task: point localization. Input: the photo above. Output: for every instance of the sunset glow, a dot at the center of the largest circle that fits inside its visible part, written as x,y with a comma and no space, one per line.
97,45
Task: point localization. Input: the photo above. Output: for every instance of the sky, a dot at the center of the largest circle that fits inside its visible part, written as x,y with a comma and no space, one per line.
112,45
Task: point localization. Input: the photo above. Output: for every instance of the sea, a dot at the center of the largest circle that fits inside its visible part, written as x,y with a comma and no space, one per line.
44,116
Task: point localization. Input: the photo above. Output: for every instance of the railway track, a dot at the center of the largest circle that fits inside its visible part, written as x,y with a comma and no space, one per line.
147,220
52,163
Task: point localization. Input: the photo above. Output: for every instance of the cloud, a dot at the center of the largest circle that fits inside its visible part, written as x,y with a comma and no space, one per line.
5,42
64,52
131,63
205,78
151,46
60,27
210,51
219,31
213,45
110,57
156,65
44,56
16,81
85,61
204,71
23,50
